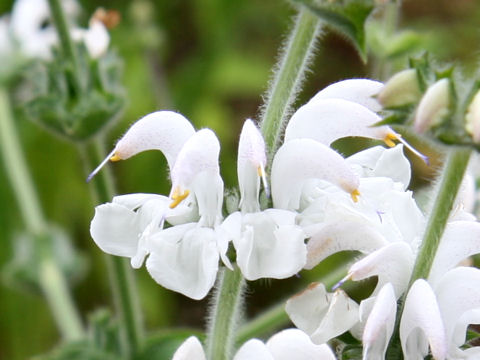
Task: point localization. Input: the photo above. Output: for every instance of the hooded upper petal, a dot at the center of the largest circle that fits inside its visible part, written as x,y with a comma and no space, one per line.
380,324
184,258
328,120
360,91
421,324
295,344
302,159
253,349
166,131
191,349
197,172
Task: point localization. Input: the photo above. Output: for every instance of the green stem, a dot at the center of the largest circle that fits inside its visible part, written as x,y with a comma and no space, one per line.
66,42
449,185
450,182
120,272
276,317
52,280
55,289
288,78
224,314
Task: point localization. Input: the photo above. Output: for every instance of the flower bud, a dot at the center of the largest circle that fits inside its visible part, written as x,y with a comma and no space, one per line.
402,89
472,118
433,107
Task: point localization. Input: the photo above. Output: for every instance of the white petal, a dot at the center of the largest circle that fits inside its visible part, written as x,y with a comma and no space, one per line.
382,162
302,159
295,344
191,349
361,91
166,131
251,160
460,240
458,294
184,258
115,230
331,119
96,39
421,324
380,324
199,153
341,236
267,249
253,349
392,263
322,316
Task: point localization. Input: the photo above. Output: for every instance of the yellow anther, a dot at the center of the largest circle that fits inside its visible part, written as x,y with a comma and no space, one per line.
389,139
355,194
178,197
115,157
260,171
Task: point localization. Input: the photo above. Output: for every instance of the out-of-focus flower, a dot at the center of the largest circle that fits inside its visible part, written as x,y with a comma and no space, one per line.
472,118
433,106
403,88
287,344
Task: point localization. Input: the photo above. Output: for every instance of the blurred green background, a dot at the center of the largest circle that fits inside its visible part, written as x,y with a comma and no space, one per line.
210,60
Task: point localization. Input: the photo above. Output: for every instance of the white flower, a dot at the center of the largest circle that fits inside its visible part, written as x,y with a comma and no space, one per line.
182,258
268,243
285,345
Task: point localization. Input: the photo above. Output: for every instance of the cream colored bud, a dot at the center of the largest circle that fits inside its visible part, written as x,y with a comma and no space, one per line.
402,89
472,118
433,107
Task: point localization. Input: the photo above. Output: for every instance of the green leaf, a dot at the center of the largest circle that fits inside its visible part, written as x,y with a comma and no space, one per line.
348,17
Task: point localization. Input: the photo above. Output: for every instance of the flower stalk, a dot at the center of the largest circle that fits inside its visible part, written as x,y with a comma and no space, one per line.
51,280
288,78
225,314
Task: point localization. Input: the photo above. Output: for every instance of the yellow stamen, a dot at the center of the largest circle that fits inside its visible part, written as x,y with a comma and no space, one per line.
260,171
355,194
115,157
178,197
389,139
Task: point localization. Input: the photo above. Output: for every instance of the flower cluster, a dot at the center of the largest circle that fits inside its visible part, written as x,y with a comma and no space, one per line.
387,226
358,203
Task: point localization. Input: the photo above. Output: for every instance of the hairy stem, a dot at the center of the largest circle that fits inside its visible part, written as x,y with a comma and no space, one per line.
288,78
224,314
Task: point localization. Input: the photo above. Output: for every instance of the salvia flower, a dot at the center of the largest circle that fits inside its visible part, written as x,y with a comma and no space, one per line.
185,257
